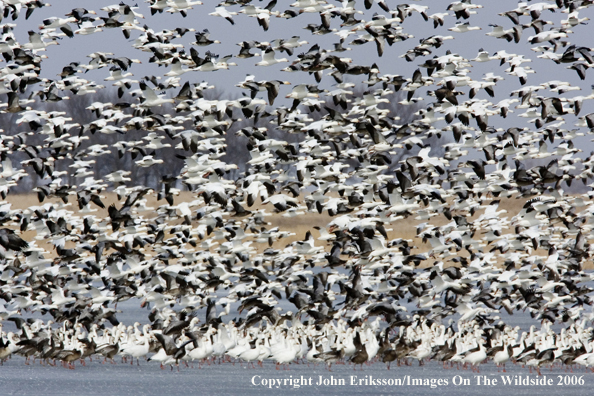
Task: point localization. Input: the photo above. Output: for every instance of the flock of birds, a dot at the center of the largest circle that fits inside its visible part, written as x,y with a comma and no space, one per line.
211,270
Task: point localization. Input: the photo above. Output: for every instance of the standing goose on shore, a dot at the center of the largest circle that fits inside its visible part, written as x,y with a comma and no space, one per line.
136,348
476,356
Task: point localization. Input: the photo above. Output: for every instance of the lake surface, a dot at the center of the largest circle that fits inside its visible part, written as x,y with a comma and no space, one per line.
98,379
16,378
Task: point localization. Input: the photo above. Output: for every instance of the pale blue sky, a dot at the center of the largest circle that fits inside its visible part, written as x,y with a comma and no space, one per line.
245,28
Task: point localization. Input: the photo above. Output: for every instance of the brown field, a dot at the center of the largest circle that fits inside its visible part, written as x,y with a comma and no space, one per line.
299,225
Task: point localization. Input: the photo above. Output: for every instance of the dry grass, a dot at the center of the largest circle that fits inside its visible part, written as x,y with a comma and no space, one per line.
299,225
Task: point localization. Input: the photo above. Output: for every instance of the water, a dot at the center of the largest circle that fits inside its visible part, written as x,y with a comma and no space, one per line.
16,378
95,378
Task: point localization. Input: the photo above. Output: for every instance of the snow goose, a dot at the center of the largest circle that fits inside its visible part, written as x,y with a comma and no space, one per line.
360,356
476,356
463,28
182,6
503,354
251,354
69,356
36,42
223,13
137,349
203,348
268,58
